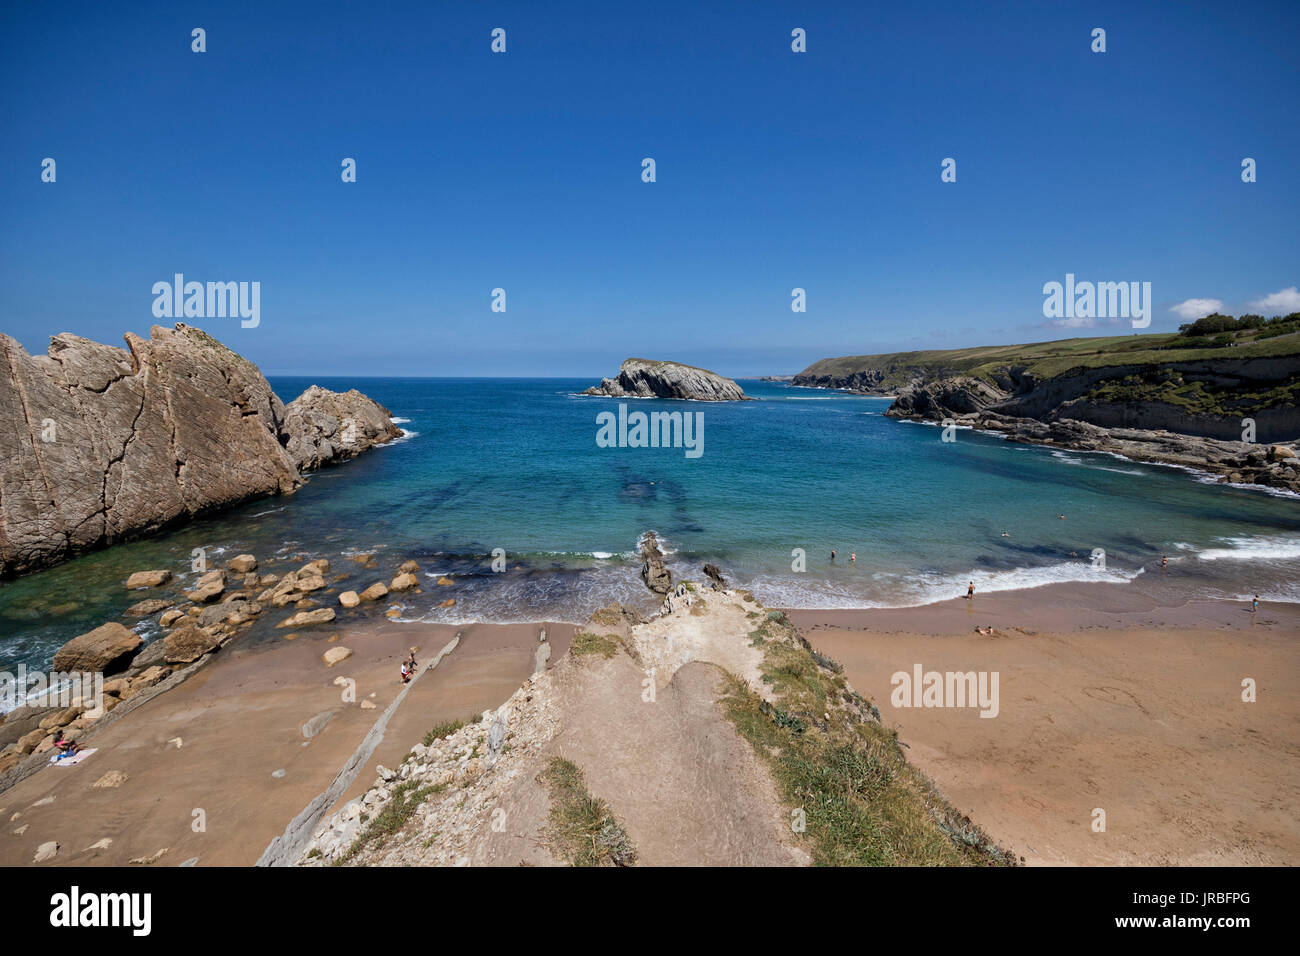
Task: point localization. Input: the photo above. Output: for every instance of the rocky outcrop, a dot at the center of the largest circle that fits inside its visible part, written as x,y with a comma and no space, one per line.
1274,466
945,398
99,444
107,648
870,381
656,576
325,426
1066,411
644,378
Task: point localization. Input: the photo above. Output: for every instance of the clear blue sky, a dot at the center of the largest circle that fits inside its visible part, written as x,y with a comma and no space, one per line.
523,171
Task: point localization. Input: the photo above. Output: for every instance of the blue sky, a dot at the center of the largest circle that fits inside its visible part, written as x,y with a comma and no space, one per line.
522,171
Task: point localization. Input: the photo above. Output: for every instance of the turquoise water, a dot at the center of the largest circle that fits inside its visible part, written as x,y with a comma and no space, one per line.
514,464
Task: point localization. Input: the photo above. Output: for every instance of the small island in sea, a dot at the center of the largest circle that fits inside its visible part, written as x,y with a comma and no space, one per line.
644,378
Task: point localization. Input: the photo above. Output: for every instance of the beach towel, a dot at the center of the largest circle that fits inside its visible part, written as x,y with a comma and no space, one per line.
81,755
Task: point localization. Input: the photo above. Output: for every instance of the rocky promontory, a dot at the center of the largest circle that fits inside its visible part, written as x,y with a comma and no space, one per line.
645,378
977,404
1228,405
99,444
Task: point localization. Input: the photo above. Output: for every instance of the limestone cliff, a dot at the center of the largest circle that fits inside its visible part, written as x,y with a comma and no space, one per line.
99,443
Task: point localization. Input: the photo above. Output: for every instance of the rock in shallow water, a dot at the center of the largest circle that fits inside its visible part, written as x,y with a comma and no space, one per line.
107,647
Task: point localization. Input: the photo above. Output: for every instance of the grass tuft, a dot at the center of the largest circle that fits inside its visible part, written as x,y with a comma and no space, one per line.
582,826
830,756
585,643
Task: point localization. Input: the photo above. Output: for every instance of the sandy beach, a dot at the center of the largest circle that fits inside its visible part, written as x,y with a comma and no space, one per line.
203,761
1106,701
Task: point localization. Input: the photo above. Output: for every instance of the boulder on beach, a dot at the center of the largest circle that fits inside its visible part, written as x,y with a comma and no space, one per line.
147,579
107,648
147,607
349,599
403,582
242,564
227,610
336,654
375,592
292,588
208,587
321,615
153,653
184,645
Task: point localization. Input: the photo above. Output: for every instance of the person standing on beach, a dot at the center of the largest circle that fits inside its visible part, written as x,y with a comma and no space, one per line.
1254,604
832,555
853,557
970,590
1164,561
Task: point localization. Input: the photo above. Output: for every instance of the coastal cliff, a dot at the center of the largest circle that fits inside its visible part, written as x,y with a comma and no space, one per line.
644,378
99,444
1170,399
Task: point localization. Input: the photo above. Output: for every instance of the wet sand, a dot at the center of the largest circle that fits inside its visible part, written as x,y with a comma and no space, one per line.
1106,701
240,720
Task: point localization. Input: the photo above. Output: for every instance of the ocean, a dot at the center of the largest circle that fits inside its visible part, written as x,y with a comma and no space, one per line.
513,464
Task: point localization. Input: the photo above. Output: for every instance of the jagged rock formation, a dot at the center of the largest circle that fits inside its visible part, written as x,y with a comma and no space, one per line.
868,381
1275,466
644,378
99,443
1157,398
325,426
1150,382
979,405
945,398
657,577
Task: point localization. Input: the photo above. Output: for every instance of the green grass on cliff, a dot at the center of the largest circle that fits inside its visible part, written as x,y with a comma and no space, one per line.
1048,359
861,802
583,829
1195,398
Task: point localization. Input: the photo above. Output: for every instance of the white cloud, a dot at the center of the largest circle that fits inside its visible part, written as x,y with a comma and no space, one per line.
1279,303
1083,322
1197,308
